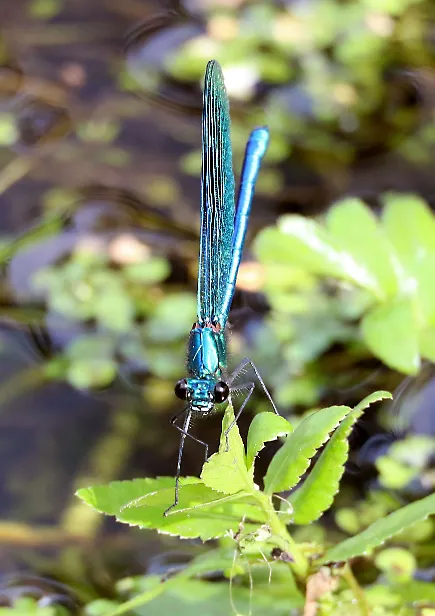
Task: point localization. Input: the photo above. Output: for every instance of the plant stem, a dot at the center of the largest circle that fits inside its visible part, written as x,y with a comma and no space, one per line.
282,537
358,592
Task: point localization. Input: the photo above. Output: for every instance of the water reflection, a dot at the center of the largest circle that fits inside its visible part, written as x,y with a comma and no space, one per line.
46,592
147,50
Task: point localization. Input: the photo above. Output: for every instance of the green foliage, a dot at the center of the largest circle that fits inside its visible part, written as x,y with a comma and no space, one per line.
185,590
363,513
317,493
25,606
405,460
294,457
397,563
392,260
382,530
44,9
350,281
335,55
86,287
225,501
8,129
209,507
130,314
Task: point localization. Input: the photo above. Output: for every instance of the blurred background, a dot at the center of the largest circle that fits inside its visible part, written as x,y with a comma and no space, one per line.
100,106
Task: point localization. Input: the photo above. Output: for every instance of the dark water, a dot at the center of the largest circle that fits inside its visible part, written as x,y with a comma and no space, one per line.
102,127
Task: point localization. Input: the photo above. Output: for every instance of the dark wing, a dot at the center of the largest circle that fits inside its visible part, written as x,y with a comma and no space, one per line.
217,196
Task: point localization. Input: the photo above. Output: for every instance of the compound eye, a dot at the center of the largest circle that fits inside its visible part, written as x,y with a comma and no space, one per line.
221,392
181,389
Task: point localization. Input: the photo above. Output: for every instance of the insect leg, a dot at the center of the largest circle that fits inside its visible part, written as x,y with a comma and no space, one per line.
184,431
250,387
240,369
184,434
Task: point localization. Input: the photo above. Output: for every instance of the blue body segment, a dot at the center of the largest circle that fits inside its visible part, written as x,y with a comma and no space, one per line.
255,150
223,231
206,360
206,354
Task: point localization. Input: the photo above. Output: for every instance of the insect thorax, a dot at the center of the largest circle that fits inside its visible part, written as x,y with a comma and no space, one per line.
206,351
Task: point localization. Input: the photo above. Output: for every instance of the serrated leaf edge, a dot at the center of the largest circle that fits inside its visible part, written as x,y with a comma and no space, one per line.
313,452
354,415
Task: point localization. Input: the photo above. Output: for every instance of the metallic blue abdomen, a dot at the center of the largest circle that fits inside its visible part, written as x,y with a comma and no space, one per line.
206,354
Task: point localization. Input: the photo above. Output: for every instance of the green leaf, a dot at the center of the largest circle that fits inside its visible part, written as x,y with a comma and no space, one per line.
410,225
301,243
391,332
100,607
112,497
90,346
427,343
317,492
27,606
9,132
425,289
90,361
381,530
201,512
416,591
357,232
114,309
264,427
293,459
393,474
226,470
398,564
88,373
411,593
304,243
415,451
45,9
162,326
185,597
148,271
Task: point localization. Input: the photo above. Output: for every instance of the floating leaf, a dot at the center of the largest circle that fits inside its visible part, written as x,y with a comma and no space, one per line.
392,260
410,225
425,289
293,459
393,474
114,309
416,591
317,492
426,343
148,271
381,530
265,427
300,243
398,564
391,332
358,233
88,373
320,253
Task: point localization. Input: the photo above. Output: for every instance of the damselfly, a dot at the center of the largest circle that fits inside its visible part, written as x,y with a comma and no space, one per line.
223,231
